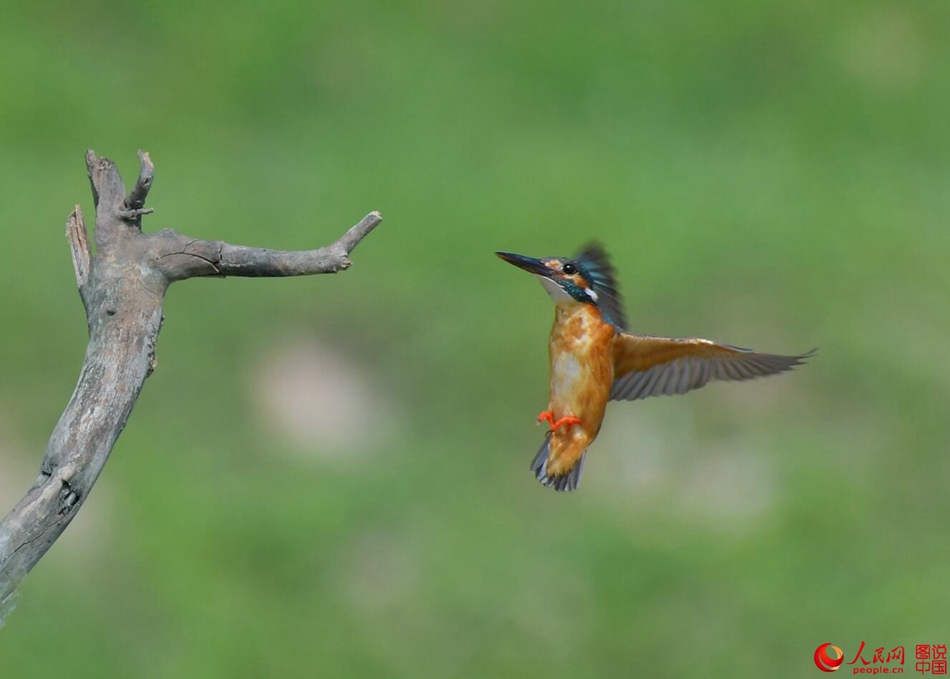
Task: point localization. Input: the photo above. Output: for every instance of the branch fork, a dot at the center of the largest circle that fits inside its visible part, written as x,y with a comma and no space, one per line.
122,288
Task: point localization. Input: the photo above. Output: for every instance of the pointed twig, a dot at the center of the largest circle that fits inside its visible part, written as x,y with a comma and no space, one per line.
182,257
358,232
133,206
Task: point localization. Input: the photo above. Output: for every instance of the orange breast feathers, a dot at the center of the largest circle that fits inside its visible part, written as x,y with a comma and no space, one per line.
581,365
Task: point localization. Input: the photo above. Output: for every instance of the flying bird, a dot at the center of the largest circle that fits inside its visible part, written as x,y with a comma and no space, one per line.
594,360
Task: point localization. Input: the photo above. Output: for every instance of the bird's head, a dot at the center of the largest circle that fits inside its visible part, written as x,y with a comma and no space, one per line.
588,278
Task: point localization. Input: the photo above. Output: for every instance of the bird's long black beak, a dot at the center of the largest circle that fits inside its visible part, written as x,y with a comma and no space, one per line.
529,264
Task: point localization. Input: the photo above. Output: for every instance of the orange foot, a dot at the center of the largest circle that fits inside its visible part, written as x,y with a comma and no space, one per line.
555,424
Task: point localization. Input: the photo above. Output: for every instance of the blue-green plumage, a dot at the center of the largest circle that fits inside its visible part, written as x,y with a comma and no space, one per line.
596,269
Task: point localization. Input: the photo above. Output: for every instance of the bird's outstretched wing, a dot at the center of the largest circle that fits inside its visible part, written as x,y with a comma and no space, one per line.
661,366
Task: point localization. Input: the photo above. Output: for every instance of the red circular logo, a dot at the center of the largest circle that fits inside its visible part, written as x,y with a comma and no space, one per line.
825,662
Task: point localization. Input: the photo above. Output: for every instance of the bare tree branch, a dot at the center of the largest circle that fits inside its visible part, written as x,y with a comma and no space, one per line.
136,198
122,288
180,257
133,207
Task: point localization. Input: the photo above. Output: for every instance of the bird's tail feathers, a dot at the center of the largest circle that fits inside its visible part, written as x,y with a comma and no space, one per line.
567,481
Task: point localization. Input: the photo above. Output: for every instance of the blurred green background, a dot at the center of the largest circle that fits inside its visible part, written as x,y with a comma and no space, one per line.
328,476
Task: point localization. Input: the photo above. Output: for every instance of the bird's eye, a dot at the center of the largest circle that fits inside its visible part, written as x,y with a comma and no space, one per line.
569,269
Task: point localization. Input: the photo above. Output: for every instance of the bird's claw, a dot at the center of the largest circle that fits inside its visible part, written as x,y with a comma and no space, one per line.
548,416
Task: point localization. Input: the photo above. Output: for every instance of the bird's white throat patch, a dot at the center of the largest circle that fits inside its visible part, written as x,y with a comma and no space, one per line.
558,294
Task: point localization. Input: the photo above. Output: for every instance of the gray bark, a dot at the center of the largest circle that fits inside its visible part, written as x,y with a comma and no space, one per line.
122,288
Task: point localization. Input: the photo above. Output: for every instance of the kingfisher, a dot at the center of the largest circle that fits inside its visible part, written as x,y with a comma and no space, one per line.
593,360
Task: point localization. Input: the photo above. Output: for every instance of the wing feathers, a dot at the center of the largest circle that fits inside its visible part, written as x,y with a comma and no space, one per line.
661,366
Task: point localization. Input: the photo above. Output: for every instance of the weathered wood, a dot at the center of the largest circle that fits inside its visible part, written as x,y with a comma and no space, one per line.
122,288
79,247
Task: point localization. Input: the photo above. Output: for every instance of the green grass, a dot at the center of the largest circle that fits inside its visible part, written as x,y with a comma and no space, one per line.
772,175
